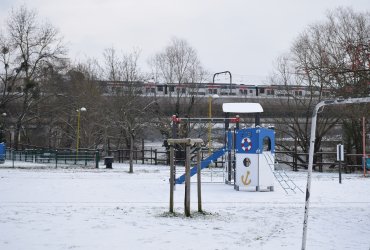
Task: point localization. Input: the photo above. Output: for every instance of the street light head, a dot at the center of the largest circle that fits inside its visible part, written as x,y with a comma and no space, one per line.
83,109
4,114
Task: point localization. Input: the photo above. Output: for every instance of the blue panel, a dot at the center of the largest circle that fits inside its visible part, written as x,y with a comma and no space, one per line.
251,140
2,152
247,141
270,134
368,163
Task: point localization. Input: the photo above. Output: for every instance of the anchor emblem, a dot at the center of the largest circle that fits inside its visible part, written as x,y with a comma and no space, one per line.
245,180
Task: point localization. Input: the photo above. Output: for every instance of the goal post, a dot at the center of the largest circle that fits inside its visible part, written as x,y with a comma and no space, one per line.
311,152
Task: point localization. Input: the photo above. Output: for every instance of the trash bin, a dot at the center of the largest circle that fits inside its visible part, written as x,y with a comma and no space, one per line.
108,160
367,163
2,152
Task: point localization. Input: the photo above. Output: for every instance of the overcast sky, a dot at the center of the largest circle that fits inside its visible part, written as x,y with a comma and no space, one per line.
241,36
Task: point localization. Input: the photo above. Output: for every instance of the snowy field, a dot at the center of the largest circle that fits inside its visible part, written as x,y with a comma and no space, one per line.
46,208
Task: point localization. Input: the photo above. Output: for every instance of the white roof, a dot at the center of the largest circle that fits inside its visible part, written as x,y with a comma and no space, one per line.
242,107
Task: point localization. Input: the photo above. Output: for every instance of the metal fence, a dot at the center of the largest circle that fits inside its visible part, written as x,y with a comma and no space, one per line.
55,157
324,161
155,157
143,156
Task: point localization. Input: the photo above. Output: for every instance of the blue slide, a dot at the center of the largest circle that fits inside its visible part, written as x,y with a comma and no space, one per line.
203,164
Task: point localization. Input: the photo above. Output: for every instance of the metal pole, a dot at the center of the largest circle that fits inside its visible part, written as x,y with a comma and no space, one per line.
311,151
78,132
199,181
364,145
310,162
224,72
209,124
340,172
83,109
229,162
13,157
340,163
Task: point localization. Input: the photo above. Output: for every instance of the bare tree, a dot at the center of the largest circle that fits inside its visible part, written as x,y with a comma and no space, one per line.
122,67
178,63
74,89
129,111
28,47
332,59
298,106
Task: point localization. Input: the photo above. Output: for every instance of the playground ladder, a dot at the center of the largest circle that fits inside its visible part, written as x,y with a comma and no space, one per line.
281,176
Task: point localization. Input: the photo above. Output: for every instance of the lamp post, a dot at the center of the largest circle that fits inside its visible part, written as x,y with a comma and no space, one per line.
78,128
224,72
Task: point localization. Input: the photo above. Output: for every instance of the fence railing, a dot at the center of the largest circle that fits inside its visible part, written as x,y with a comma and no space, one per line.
323,160
55,157
156,157
146,156
296,160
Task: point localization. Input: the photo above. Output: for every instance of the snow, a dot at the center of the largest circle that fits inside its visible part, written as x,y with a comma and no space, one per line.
87,208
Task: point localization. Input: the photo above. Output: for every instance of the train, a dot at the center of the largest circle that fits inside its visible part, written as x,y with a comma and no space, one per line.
212,89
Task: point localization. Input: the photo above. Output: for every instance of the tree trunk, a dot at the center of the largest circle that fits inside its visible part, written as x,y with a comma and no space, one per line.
131,153
17,134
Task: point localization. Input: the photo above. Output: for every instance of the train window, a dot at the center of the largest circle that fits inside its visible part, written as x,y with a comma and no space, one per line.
266,144
243,91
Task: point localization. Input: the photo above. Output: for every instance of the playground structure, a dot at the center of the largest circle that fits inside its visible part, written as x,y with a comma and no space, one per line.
255,158
250,163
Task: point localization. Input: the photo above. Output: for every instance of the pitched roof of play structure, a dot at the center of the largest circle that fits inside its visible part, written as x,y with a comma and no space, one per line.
242,108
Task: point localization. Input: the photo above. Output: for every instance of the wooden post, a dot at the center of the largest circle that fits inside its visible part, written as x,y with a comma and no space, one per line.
187,181
142,151
97,159
320,159
188,142
172,177
295,160
155,157
199,183
56,158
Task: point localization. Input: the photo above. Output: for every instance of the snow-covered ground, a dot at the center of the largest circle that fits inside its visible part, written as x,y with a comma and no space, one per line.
46,208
